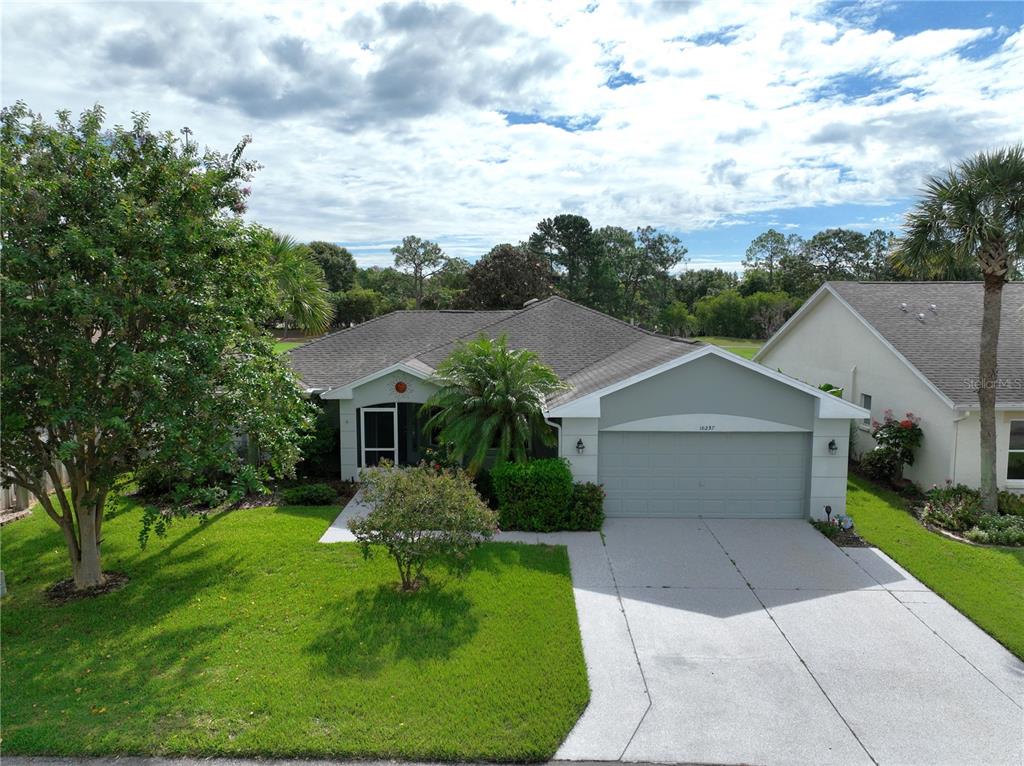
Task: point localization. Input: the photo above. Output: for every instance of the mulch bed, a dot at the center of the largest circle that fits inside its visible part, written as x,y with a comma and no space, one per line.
847,538
65,591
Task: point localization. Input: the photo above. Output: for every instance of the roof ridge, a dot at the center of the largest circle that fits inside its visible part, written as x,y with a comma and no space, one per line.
480,329
325,336
603,315
606,357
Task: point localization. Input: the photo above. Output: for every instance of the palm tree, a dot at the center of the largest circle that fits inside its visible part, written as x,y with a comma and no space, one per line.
489,396
301,286
973,216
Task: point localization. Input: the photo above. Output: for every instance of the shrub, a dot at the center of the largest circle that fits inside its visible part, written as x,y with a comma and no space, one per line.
1011,504
310,494
953,507
421,515
485,487
587,510
902,436
998,530
827,528
534,496
881,464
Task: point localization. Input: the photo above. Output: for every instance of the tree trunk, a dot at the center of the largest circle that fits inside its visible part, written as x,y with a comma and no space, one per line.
987,386
86,565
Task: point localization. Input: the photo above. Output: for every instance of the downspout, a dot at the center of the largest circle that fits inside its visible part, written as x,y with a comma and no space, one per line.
853,384
956,440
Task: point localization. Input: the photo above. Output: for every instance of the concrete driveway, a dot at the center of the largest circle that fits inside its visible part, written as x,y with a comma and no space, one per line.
733,641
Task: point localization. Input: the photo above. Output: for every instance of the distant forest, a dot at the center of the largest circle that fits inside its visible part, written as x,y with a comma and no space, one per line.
628,274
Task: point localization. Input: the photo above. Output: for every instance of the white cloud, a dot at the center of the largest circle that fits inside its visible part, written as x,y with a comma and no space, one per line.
377,121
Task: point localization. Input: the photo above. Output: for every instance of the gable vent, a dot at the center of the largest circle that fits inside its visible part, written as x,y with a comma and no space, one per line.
934,309
903,307
920,318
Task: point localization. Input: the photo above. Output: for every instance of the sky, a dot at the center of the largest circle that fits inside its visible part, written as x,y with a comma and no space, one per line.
468,123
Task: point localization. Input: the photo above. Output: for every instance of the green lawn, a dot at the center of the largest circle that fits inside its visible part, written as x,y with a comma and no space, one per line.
986,584
244,635
744,347
286,345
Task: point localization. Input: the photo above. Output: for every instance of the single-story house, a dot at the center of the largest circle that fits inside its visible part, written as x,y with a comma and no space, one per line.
670,427
913,347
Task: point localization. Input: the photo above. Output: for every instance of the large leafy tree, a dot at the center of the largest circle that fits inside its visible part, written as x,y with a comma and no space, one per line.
302,294
395,288
420,258
337,263
973,215
836,252
491,396
765,254
568,242
446,288
507,277
133,300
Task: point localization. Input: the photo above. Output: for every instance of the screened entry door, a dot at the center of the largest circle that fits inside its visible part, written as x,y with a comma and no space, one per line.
379,435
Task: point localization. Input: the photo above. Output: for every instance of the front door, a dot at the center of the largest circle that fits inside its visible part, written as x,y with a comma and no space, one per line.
380,435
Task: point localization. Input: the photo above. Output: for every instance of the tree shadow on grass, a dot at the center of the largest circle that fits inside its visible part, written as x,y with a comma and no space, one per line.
499,556
377,627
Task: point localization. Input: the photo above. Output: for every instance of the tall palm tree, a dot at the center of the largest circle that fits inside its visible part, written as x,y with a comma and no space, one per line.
301,286
489,396
973,215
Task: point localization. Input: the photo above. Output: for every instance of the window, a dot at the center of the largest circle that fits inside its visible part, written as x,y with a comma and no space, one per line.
865,402
1015,457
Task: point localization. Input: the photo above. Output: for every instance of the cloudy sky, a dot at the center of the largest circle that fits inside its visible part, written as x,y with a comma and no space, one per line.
467,123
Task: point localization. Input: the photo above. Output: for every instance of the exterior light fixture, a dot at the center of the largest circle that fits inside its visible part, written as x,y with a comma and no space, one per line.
833,448
580,446
828,512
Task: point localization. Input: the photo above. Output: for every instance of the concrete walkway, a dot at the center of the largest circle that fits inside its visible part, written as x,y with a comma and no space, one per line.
736,641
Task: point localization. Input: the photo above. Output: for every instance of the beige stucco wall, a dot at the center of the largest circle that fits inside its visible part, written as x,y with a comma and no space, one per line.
968,452
831,345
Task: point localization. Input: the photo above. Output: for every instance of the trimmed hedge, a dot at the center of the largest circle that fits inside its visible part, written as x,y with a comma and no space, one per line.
587,512
534,496
310,494
539,496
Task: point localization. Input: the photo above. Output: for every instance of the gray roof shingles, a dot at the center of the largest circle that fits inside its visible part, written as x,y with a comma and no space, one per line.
944,347
586,348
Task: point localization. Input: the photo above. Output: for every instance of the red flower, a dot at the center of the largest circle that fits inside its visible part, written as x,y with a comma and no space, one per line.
906,423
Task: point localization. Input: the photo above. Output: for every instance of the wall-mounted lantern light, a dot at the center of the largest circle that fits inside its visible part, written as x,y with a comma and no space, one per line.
833,448
580,446
828,512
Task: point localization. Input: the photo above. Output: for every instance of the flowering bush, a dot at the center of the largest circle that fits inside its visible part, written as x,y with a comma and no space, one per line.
902,436
954,507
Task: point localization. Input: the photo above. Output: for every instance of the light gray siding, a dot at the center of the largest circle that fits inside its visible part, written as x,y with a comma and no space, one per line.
710,385
742,475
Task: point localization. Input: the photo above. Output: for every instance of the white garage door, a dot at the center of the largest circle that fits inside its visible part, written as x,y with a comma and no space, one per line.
741,475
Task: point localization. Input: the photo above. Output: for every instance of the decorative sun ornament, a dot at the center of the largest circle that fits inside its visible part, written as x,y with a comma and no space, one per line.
401,386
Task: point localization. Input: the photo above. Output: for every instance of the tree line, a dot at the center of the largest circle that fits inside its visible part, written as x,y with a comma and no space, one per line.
633,275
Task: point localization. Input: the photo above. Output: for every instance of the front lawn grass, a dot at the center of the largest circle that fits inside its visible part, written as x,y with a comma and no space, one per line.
281,346
245,636
745,347
986,584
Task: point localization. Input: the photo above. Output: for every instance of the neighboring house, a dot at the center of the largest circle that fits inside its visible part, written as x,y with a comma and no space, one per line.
913,347
671,427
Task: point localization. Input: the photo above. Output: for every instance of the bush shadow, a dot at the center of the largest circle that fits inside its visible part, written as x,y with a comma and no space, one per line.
375,628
